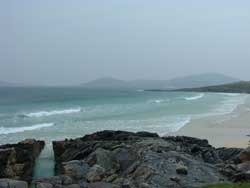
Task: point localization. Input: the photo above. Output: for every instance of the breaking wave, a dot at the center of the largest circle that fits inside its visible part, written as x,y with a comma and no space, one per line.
199,96
54,112
8,130
231,94
159,101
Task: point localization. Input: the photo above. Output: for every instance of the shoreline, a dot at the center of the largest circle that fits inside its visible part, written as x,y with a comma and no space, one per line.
228,130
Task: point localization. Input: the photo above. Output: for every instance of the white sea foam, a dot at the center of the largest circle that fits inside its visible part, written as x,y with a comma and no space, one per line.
199,96
230,104
231,94
54,112
139,90
8,130
179,124
158,101
174,126
226,106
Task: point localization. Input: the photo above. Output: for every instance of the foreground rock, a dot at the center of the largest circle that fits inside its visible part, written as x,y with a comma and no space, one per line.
240,172
9,183
117,159
17,160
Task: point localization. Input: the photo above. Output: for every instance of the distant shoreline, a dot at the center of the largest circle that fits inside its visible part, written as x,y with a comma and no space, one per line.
180,90
242,87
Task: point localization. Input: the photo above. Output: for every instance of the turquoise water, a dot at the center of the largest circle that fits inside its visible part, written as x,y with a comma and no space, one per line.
57,113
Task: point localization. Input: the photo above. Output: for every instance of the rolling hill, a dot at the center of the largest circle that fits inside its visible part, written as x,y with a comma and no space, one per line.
192,81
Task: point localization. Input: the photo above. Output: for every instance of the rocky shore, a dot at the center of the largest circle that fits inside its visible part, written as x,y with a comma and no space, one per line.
17,161
118,159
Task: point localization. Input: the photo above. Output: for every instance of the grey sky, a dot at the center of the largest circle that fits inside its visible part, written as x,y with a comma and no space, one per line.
69,42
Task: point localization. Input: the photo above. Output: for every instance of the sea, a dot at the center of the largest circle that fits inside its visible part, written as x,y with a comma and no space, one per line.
56,113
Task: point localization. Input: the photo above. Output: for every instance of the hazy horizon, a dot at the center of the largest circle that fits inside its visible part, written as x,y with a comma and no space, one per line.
71,42
127,80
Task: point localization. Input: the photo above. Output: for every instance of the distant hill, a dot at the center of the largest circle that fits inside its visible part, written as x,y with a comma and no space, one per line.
181,82
106,82
237,87
201,80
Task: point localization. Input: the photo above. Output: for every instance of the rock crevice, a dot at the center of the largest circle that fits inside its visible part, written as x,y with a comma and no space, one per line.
17,160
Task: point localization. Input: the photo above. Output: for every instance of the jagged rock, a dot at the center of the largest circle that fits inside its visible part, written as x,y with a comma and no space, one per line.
117,135
245,155
124,157
66,180
9,183
137,160
103,185
199,148
181,169
73,186
227,169
17,160
81,148
229,155
175,179
62,181
240,173
111,178
242,177
185,140
244,167
145,185
147,134
55,180
44,185
75,169
104,158
96,173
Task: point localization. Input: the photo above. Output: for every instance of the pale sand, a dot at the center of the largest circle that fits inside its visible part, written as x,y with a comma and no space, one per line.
228,130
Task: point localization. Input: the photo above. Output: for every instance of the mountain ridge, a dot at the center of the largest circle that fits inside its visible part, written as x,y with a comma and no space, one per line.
191,81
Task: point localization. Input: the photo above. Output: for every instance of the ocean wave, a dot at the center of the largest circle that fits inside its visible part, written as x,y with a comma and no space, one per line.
224,107
161,125
229,105
231,94
158,101
199,96
8,130
176,126
139,90
54,112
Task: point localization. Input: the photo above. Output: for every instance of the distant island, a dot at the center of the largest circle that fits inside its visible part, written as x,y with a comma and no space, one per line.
191,81
237,87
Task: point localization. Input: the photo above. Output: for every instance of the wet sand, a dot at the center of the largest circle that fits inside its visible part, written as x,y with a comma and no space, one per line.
228,130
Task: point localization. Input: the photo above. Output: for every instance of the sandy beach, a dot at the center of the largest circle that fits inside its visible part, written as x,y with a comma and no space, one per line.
228,130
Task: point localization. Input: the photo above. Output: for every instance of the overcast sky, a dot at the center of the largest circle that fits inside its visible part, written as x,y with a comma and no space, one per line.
70,42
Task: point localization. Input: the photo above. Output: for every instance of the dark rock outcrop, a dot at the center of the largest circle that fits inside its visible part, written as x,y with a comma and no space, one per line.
17,160
119,159
9,183
230,155
245,155
131,160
